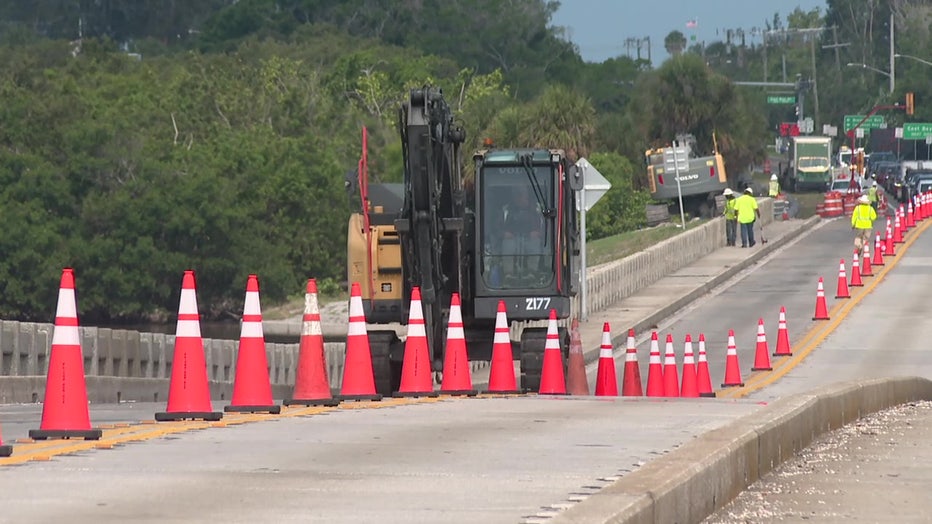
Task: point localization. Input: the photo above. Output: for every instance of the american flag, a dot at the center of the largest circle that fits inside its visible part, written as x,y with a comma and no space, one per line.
692,24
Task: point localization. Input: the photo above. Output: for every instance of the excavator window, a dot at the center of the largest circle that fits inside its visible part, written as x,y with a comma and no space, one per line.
517,236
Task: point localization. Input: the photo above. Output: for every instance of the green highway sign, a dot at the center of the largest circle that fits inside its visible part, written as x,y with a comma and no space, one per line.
917,131
776,99
875,121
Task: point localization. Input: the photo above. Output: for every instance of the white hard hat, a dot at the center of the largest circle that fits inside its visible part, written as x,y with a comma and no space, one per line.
749,191
773,176
874,183
864,199
728,192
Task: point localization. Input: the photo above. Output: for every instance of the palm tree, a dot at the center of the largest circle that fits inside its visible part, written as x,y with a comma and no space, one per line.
675,43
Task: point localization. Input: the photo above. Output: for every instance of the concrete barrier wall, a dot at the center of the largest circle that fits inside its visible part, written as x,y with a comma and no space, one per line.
120,355
705,474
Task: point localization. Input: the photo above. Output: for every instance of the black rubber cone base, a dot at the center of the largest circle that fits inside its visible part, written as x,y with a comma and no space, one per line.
272,410
461,392
507,392
86,434
209,416
741,385
374,398
761,369
783,354
415,394
6,451
327,402
707,395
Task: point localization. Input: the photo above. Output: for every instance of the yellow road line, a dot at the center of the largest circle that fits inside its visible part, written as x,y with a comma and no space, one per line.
820,332
122,433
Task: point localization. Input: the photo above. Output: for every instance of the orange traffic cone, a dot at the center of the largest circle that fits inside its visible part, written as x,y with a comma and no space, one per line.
690,386
576,381
842,282
358,375
655,369
671,379
783,337
889,244
631,382
252,389
416,376
456,377
188,392
502,378
552,380
878,252
898,227
855,271
311,383
866,269
5,450
762,353
910,219
821,309
606,382
64,411
732,369
702,371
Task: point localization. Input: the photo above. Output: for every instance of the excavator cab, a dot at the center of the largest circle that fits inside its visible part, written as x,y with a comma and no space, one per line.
526,232
527,237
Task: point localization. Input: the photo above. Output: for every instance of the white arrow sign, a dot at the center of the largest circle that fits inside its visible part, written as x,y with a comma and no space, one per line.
594,183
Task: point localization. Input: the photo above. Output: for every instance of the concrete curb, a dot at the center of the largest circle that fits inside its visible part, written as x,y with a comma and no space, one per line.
645,324
699,478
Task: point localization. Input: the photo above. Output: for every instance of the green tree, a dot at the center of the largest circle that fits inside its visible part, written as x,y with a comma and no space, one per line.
674,42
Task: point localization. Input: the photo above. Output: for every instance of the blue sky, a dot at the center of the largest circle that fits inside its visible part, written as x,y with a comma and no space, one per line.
600,27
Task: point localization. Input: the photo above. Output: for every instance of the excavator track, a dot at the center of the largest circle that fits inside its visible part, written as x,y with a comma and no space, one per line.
533,341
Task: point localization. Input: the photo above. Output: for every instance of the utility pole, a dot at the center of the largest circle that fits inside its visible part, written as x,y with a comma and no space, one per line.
814,83
892,52
765,55
835,45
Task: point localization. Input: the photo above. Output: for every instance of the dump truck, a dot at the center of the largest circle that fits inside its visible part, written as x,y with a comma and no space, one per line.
810,166
699,180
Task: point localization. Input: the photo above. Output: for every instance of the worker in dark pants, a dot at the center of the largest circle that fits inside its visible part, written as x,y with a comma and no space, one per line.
731,217
748,213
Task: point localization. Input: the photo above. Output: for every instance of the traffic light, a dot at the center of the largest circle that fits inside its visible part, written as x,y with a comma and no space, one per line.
910,104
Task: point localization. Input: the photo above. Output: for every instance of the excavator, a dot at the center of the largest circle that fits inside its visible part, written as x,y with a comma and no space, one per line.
506,232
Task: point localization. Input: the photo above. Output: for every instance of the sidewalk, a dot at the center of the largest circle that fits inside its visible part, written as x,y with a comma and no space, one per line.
646,308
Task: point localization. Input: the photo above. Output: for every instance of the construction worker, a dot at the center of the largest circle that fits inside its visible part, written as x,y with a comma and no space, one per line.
862,221
731,217
747,211
872,195
774,186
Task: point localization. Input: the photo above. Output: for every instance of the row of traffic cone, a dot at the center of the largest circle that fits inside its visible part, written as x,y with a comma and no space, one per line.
65,412
663,379
862,263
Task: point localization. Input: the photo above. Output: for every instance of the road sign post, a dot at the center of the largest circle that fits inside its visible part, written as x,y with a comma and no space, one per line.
874,122
917,130
594,186
672,158
776,99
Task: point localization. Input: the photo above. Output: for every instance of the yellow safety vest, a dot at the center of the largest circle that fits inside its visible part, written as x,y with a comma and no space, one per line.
872,194
774,188
863,217
745,205
730,213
